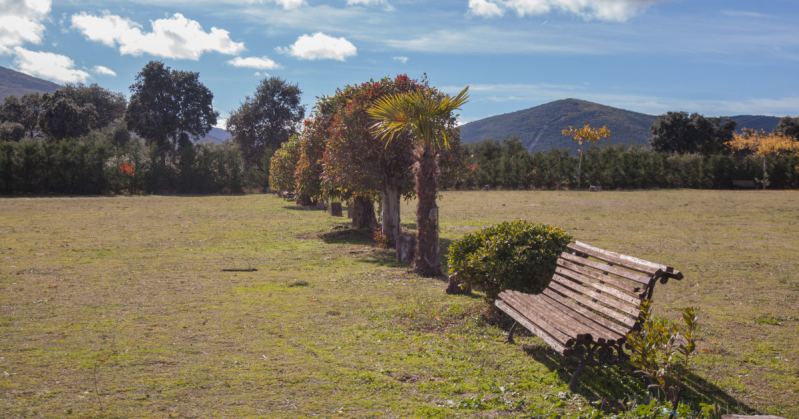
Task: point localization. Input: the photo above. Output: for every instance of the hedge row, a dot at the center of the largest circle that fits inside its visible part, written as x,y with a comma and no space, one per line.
509,166
96,167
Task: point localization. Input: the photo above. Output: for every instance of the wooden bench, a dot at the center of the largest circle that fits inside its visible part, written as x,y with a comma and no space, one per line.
744,184
589,307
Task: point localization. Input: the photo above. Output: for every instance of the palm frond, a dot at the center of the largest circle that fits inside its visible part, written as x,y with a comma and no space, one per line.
424,114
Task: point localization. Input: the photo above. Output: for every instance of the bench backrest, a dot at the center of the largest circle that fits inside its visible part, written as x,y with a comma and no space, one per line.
608,287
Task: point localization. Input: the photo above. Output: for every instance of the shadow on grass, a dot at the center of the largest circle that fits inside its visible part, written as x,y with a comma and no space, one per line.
300,208
615,385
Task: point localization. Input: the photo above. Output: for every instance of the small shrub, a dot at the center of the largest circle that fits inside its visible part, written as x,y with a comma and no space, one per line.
383,241
661,350
516,255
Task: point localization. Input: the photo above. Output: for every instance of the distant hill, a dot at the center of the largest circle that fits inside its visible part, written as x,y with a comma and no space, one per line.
14,83
539,128
216,136
756,122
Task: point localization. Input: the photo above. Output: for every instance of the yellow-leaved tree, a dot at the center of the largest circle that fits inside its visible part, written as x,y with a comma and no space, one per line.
583,135
761,144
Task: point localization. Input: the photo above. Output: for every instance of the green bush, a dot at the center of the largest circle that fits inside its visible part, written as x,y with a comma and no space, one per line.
516,255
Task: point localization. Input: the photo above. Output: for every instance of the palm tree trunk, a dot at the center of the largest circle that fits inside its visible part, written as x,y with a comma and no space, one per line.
425,171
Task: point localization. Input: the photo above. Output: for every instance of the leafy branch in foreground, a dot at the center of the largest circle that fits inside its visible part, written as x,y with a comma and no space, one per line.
661,350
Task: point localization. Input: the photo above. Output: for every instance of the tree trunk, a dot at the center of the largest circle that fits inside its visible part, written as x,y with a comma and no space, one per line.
579,170
425,171
304,200
764,173
391,211
363,213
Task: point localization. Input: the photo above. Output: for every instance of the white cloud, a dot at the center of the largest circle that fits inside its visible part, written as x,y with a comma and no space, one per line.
103,71
610,10
371,3
47,65
221,123
401,59
176,37
261,63
320,47
290,4
485,8
20,22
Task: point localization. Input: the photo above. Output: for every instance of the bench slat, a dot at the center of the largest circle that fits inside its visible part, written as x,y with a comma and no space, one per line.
575,286
585,312
592,305
604,289
640,265
532,313
632,276
515,315
596,330
569,324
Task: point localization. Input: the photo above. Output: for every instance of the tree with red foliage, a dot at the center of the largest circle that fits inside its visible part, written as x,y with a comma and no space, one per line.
358,164
313,142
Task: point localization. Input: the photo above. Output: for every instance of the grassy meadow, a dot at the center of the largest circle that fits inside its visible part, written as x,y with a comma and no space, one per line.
118,307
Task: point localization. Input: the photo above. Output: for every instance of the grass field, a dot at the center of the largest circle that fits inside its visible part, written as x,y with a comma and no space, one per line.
117,307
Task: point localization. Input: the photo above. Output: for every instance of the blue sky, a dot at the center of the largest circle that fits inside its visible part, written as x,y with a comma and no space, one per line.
713,57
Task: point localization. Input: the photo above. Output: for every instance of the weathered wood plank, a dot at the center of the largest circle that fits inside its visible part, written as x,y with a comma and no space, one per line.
640,265
569,305
543,323
632,276
606,290
515,315
593,306
605,298
598,331
569,324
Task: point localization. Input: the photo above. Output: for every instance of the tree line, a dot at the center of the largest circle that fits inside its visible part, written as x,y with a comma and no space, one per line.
79,138
332,154
506,164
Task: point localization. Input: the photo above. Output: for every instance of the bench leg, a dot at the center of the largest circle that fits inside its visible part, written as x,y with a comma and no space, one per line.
510,333
577,372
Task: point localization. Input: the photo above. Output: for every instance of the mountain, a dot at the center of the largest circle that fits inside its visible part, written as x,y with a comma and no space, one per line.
539,128
756,122
14,83
216,136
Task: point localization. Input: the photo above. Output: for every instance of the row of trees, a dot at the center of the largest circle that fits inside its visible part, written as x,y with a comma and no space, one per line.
507,164
95,166
377,142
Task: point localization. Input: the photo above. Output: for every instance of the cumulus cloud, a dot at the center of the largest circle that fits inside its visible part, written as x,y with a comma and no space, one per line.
103,71
290,4
320,47
401,59
485,8
610,10
47,65
176,37
20,22
261,63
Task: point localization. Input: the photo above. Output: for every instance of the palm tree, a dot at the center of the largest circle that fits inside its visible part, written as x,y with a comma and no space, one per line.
427,114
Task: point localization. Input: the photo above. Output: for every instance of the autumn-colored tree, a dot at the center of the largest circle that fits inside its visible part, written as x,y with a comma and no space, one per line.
761,144
584,135
427,115
313,142
360,165
283,165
